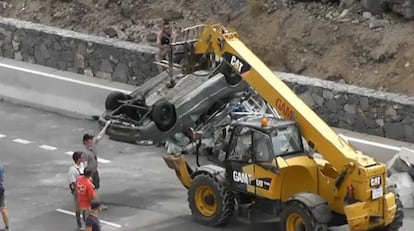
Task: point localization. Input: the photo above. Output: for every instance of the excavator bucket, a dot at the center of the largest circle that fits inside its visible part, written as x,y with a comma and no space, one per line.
181,167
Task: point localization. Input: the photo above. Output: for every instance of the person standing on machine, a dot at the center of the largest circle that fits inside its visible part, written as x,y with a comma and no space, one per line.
165,37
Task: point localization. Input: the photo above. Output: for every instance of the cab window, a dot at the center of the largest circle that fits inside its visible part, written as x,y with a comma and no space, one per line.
287,141
242,150
262,148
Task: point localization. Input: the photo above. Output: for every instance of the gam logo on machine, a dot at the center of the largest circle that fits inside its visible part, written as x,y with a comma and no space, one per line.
242,177
286,110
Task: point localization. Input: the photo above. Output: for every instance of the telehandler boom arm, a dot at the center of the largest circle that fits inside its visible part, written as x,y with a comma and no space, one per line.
226,44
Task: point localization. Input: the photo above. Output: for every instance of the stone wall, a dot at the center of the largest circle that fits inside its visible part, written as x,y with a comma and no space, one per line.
81,53
355,108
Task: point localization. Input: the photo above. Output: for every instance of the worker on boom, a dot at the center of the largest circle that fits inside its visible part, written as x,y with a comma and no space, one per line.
165,37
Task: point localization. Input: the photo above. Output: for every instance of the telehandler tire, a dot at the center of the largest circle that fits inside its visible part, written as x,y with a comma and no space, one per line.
210,201
398,220
296,216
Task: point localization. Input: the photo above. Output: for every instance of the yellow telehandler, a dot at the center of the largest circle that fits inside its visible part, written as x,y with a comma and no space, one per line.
267,174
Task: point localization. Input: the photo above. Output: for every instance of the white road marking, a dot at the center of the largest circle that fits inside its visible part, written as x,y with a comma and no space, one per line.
386,146
100,160
22,141
62,78
102,221
2,135
104,161
47,147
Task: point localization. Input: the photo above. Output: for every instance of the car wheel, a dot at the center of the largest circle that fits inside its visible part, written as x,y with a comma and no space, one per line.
112,101
163,114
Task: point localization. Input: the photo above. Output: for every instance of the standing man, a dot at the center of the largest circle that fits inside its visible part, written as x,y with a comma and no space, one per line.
90,142
165,37
92,222
75,171
3,207
85,192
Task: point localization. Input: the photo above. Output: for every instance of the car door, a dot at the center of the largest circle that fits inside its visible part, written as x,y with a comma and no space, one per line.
266,171
239,162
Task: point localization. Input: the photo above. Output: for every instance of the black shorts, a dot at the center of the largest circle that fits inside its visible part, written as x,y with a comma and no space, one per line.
96,180
2,198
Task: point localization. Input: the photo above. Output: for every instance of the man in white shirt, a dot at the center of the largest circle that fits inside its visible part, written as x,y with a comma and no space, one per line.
74,171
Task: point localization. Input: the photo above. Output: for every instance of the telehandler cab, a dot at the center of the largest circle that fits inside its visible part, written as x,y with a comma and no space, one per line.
267,173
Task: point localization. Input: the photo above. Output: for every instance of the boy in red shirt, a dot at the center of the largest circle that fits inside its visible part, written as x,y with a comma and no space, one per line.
85,191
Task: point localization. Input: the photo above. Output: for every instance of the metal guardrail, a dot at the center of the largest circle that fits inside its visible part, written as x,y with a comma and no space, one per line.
193,32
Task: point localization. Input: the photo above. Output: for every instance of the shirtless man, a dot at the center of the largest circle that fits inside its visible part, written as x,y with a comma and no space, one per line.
165,37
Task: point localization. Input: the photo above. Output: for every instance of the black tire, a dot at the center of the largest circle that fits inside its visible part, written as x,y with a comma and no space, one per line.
398,219
163,114
221,196
112,100
295,209
232,78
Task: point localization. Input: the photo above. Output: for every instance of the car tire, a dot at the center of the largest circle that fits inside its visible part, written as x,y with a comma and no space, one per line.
112,101
163,114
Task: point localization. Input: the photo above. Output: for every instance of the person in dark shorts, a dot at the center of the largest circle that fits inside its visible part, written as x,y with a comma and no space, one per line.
92,221
74,171
90,142
3,208
165,37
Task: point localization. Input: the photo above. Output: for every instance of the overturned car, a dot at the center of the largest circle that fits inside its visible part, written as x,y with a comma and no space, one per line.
156,110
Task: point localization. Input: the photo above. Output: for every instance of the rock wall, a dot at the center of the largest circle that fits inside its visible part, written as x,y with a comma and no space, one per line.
71,51
355,108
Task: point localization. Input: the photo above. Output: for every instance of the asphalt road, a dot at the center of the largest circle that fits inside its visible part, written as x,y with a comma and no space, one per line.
141,192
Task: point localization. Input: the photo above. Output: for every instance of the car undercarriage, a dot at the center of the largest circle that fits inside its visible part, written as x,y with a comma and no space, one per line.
156,110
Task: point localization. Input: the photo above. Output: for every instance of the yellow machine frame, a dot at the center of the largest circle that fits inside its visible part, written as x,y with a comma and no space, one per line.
341,162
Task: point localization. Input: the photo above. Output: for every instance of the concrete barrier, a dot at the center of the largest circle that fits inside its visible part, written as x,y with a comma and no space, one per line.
55,90
356,108
67,50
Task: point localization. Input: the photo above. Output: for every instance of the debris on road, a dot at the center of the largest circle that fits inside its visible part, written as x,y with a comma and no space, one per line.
401,175
405,188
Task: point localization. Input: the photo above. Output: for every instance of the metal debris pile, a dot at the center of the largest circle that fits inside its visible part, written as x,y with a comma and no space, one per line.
401,176
212,129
